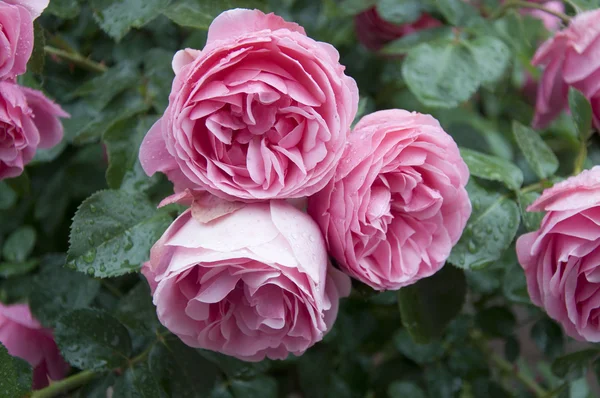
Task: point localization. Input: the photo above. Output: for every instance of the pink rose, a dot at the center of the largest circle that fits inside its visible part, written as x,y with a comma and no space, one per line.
24,337
571,58
247,280
374,32
28,120
35,7
16,40
262,112
562,259
397,203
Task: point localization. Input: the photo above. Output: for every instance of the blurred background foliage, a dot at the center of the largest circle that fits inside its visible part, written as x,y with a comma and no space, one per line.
469,331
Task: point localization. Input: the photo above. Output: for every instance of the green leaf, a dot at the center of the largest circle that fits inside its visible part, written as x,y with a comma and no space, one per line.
514,284
406,43
38,57
419,353
490,230
51,206
100,90
492,168
236,368
137,312
93,124
15,375
112,233
531,219
427,306
492,57
584,5
404,389
440,382
122,142
138,382
457,12
579,388
19,244
548,337
65,9
353,7
8,197
573,364
539,156
8,270
441,74
158,71
57,290
180,370
200,13
49,154
260,387
93,340
496,321
399,11
581,111
117,17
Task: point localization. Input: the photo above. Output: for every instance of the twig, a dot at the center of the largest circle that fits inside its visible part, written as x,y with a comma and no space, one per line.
77,59
525,4
505,366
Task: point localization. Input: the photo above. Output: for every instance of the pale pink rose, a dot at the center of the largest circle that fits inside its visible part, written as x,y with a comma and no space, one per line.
16,40
397,203
571,58
562,259
35,7
551,22
24,337
28,120
262,112
247,280
374,32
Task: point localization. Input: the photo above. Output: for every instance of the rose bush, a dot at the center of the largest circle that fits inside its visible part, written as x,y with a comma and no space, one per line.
261,112
250,281
301,235
397,203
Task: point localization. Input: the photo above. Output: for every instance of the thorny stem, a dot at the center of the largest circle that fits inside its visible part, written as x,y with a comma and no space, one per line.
76,58
65,385
505,366
526,4
81,378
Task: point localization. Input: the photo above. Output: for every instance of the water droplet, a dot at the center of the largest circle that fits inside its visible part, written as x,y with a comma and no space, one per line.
102,268
93,208
312,238
294,236
472,247
128,244
71,265
90,256
90,271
